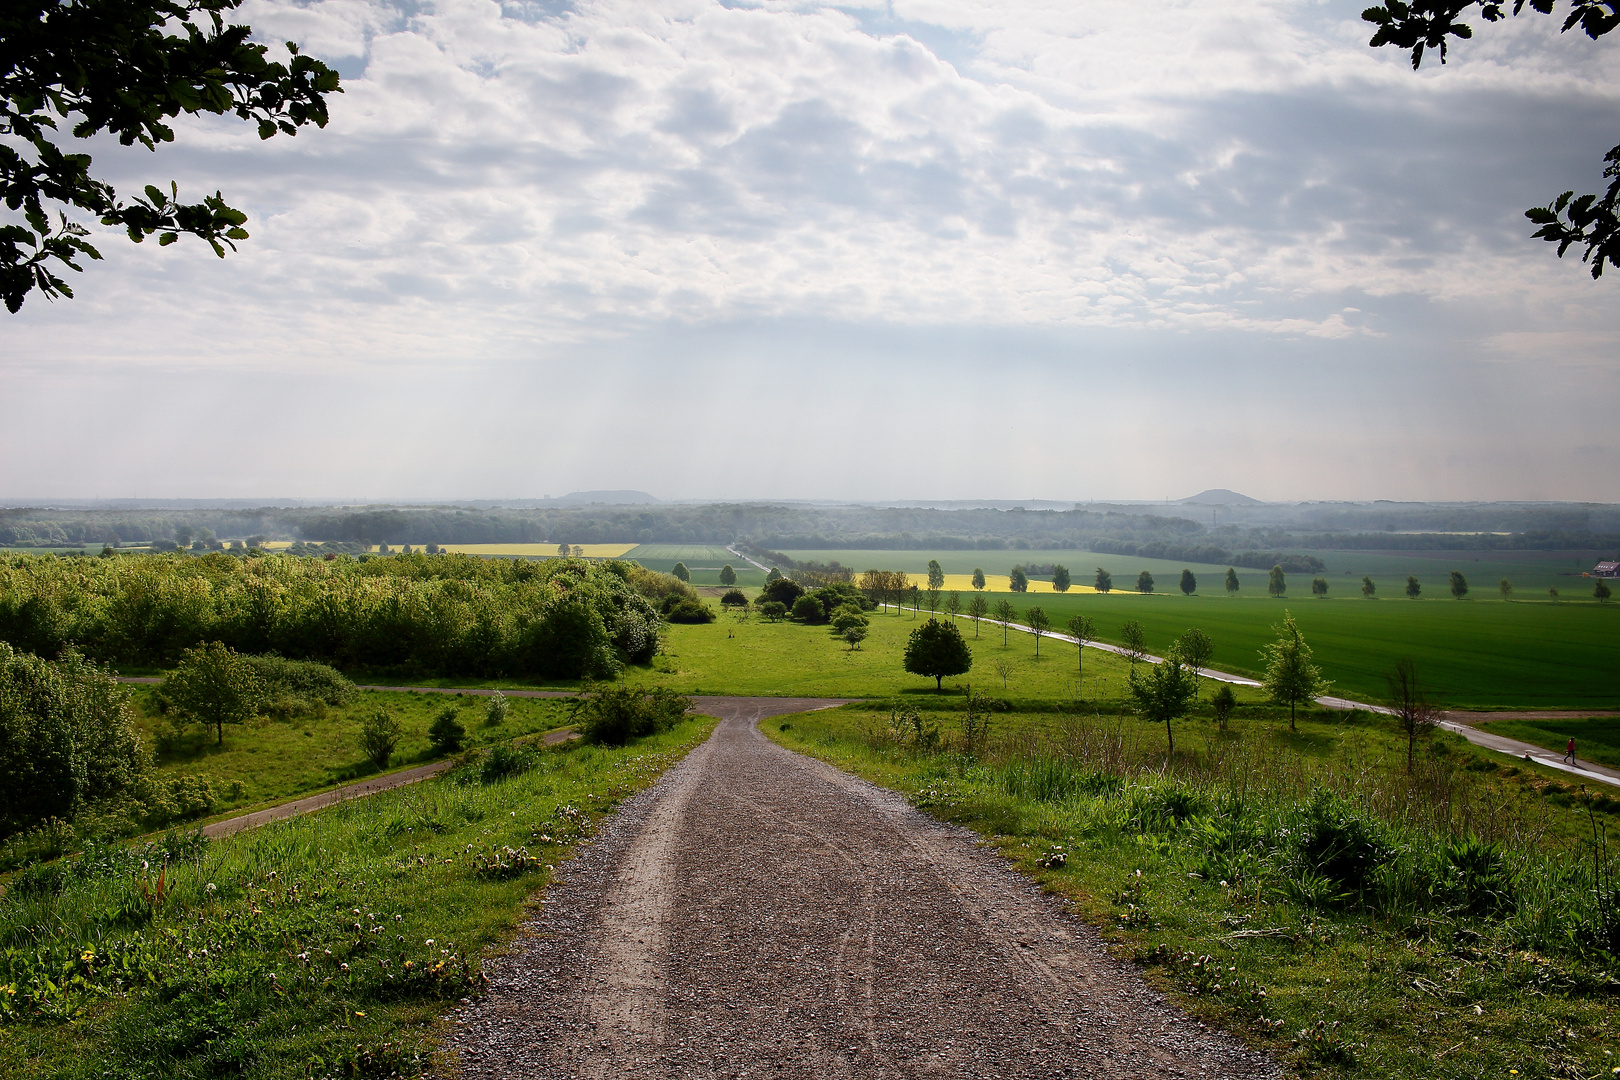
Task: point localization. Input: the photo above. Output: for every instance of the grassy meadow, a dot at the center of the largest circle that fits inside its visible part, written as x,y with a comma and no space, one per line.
1299,890
329,945
272,760
702,560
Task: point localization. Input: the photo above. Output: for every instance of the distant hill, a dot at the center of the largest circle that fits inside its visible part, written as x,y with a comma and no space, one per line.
604,498
1219,497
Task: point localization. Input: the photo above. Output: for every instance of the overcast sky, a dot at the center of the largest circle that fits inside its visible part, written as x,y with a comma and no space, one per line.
1029,249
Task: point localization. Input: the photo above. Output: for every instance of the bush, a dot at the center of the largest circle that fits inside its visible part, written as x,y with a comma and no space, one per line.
379,735
506,761
615,715
297,687
446,733
495,709
773,609
1341,845
690,611
784,591
808,609
734,598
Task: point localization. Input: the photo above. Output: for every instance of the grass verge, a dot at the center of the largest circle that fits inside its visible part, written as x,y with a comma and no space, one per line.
1315,899
324,946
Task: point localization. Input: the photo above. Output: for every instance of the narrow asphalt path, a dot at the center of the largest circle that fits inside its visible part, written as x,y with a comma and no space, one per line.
760,914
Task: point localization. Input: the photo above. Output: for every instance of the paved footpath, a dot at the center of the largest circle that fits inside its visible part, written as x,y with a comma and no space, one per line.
760,914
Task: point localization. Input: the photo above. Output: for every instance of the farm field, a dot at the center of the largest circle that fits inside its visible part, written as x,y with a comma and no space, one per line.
274,760
1596,738
538,551
703,560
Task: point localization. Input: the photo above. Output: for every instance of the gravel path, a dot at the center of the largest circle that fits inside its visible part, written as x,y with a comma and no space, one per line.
759,914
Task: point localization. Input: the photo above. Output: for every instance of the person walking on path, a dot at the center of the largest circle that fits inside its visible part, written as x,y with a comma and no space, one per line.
1569,753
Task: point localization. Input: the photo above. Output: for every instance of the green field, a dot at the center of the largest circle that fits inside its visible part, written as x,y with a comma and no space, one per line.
1596,738
703,560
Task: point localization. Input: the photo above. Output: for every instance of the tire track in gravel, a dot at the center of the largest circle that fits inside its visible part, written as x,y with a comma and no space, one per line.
760,914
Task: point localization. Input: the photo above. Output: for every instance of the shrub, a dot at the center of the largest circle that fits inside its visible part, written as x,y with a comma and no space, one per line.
784,591
295,687
379,735
615,715
1341,845
808,609
690,611
495,709
773,609
734,598
507,761
1223,701
446,733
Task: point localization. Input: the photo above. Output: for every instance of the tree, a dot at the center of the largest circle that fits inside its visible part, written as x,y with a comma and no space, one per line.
807,609
1414,715
446,733
1060,578
774,575
379,735
1189,583
1319,587
1290,676
1196,650
213,686
935,650
1162,692
1144,582
1083,630
1552,594
496,709
1459,585
1039,623
1004,668
1231,581
1277,581
978,578
1413,587
978,608
1005,615
786,591
728,576
1601,591
1017,580
563,550
1223,701
1104,581
1368,589
850,625
681,572
936,576
1505,587
579,551
1420,25
1134,639
120,67
953,604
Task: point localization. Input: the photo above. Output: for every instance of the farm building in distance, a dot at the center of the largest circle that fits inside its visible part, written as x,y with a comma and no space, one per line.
1606,569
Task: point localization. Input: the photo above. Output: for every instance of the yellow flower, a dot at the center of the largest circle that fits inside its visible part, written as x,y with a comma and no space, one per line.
359,1014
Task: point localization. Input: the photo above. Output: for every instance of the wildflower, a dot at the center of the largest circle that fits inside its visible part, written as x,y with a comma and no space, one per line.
87,955
211,887
359,1013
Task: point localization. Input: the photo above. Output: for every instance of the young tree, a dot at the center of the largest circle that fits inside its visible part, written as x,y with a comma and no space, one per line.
1319,587
579,551
1039,624
936,576
1083,630
1459,585
1231,581
1223,701
1368,589
1104,581
978,578
1413,587
1552,594
1189,582
774,575
1196,650
496,709
899,583
1060,578
446,733
126,68
935,650
1414,715
933,601
379,735
1277,581
728,576
1290,676
978,608
1144,582
850,625
1602,591
682,572
1505,587
953,604
563,550
1162,693
1017,580
213,686
1005,615
1134,639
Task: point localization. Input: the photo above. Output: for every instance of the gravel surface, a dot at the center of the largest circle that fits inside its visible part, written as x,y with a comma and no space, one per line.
759,914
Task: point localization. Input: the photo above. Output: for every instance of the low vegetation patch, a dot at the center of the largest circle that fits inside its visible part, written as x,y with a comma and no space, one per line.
1302,889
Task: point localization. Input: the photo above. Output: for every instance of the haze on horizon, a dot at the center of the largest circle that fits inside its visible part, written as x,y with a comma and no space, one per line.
914,250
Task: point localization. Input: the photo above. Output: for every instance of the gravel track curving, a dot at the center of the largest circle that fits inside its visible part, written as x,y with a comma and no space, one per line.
760,914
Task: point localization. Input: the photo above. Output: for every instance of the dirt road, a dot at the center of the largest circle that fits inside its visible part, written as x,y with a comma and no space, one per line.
759,914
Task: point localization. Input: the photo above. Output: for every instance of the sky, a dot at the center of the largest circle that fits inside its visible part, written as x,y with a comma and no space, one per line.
1060,249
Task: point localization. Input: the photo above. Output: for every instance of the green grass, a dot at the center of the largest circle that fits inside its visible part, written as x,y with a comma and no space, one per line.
1596,739
703,560
243,958
1197,871
277,760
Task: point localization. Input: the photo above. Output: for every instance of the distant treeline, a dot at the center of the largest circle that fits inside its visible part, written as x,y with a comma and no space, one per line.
443,615
1208,553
